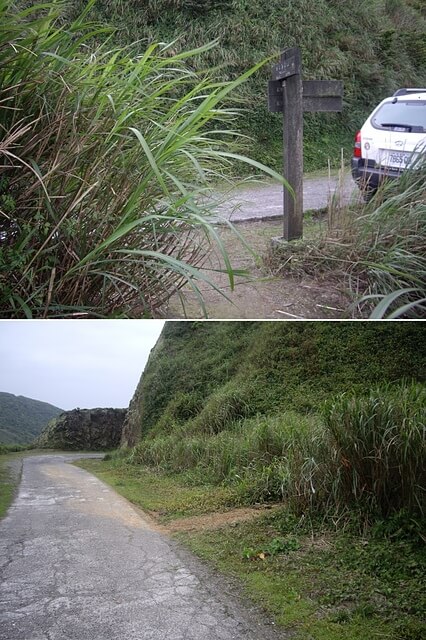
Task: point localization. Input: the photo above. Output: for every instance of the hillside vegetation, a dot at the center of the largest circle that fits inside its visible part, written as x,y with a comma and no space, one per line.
294,411
374,46
22,419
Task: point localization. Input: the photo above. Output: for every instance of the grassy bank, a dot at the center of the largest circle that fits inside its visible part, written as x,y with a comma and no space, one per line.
259,407
10,474
323,583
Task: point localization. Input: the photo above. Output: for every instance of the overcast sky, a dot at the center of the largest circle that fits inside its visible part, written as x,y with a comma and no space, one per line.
78,363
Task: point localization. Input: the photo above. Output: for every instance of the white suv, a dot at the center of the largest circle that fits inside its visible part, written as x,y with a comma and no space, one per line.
391,139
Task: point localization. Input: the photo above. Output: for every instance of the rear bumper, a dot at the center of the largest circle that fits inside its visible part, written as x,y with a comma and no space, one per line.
368,176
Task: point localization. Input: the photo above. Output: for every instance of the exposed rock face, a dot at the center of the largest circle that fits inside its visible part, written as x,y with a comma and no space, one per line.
93,429
132,424
131,427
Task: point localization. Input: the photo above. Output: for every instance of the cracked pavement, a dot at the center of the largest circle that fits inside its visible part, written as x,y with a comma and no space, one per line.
79,562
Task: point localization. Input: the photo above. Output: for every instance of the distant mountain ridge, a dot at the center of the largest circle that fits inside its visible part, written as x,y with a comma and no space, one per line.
22,419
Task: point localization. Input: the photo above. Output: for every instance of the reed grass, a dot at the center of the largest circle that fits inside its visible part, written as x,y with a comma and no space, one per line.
375,447
389,244
108,156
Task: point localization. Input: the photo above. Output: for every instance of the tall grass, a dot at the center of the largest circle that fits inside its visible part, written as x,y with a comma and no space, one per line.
389,245
107,154
365,454
250,454
375,450
378,248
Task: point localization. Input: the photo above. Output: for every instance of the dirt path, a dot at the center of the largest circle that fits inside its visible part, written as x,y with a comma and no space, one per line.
260,294
78,562
217,520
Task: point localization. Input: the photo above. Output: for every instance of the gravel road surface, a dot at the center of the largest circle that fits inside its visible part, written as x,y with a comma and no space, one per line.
78,562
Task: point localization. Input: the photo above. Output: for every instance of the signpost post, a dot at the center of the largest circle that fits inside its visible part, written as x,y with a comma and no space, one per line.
290,95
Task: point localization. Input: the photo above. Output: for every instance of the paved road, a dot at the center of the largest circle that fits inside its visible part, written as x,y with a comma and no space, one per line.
79,562
265,201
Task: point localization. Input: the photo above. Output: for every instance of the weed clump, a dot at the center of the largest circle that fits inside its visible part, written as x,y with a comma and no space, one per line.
377,247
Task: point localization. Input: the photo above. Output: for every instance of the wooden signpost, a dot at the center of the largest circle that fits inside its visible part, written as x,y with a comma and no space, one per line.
290,95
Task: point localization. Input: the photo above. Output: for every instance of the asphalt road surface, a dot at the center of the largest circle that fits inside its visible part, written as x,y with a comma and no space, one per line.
78,562
265,201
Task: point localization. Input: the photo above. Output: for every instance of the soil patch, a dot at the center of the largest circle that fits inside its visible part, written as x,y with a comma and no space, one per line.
260,294
216,520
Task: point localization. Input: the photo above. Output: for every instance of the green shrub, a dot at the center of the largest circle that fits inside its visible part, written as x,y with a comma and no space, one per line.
11,448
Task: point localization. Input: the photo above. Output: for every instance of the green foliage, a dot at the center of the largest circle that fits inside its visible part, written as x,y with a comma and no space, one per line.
269,367
273,548
108,154
325,585
13,448
192,7
388,243
222,408
22,419
330,34
378,248
181,408
174,381
377,450
11,462
240,405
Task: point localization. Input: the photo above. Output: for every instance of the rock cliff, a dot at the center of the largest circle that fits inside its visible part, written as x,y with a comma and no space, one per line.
132,423
92,429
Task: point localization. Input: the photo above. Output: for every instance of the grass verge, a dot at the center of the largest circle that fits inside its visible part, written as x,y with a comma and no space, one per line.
10,474
165,497
321,584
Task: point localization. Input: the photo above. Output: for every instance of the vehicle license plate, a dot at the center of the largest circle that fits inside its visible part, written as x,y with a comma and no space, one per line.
398,158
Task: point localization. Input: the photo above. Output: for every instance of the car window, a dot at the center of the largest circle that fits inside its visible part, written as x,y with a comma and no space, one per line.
410,113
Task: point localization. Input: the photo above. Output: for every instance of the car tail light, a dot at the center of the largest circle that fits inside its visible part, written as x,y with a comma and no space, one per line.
357,146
